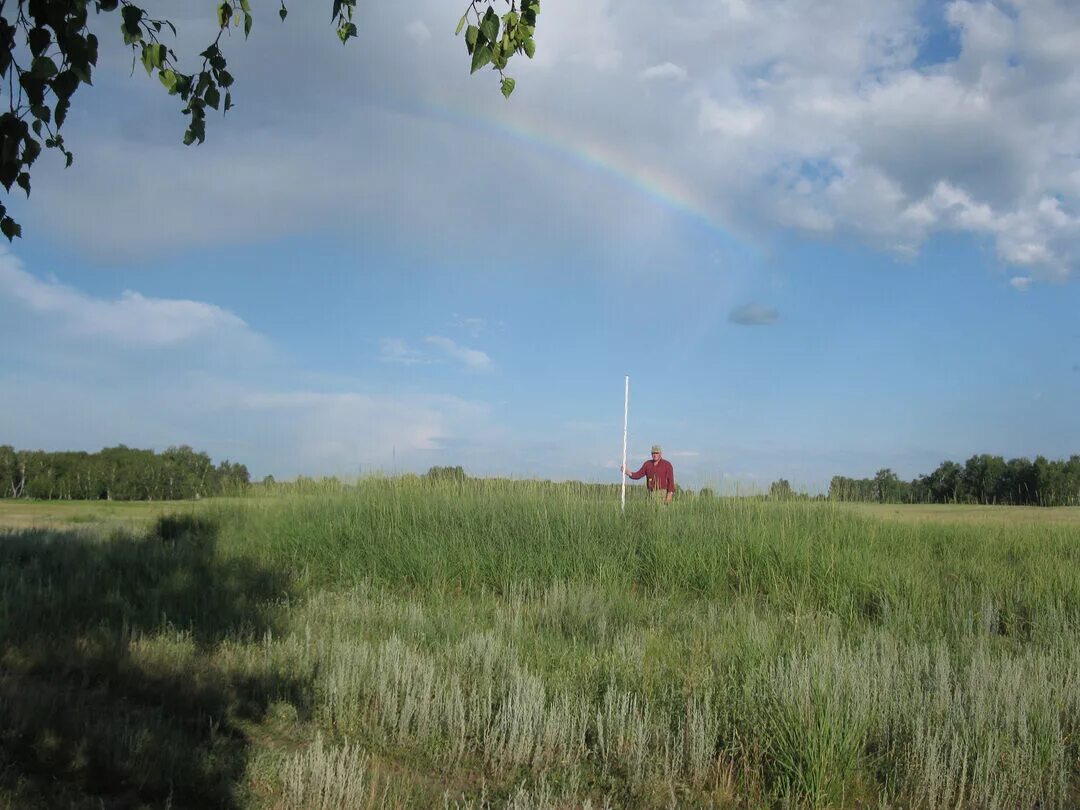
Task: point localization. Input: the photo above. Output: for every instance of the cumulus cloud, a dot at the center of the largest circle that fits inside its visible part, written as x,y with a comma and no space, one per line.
753,315
314,432
833,119
732,120
472,359
848,120
340,431
71,381
863,138
586,36
396,350
130,319
664,71
474,326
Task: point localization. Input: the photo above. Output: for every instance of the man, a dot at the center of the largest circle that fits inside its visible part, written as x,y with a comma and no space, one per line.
659,474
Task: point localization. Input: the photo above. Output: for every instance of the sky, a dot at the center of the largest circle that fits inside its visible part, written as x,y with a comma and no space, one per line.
821,238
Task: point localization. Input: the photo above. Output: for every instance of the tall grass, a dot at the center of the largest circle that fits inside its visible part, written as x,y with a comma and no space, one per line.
401,643
792,557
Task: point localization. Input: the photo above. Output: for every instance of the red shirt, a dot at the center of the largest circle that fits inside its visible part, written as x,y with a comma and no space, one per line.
659,475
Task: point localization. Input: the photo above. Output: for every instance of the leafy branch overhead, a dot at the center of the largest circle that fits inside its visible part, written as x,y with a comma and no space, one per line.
48,51
486,44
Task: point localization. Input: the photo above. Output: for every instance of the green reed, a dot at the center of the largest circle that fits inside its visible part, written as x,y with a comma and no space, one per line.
488,644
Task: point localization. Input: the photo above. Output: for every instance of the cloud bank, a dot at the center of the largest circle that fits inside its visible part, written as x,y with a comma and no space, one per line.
472,360
131,319
83,371
888,123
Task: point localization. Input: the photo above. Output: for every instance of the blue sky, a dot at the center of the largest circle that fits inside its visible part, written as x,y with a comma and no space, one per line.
820,238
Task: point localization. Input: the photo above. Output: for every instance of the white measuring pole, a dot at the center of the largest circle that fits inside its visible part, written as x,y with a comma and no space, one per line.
625,416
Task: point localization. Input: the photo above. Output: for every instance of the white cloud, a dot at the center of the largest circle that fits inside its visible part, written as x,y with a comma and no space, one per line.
274,430
823,118
342,431
396,350
664,71
212,392
131,319
1021,283
472,359
1036,238
581,36
474,326
733,121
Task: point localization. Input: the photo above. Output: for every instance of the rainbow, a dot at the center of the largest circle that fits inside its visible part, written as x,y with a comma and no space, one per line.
595,156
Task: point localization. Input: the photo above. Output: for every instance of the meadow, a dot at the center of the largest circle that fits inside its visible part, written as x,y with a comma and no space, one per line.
402,643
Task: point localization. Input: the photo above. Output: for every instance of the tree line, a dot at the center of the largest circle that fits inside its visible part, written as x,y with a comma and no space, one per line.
122,473
117,473
982,479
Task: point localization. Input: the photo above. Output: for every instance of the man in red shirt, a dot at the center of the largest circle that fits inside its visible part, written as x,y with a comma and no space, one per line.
659,474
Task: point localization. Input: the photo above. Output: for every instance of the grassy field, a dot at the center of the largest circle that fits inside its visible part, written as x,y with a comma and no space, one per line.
401,645
135,514
1016,516
98,514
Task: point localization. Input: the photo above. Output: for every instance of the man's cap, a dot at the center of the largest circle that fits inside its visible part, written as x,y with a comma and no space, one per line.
656,449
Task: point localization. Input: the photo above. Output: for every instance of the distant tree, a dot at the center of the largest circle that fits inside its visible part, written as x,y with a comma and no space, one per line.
1072,481
920,489
10,484
116,473
945,483
37,474
706,492
1055,486
781,490
232,479
446,474
886,486
840,489
985,479
192,473
1019,485
995,480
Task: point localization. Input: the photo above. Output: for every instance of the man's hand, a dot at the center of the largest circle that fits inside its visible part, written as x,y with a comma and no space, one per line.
670,495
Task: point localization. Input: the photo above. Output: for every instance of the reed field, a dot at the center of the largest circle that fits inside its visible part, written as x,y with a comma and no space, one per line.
402,643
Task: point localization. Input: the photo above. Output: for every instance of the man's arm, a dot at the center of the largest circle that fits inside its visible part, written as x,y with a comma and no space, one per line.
671,484
638,474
